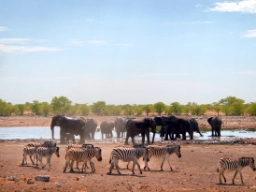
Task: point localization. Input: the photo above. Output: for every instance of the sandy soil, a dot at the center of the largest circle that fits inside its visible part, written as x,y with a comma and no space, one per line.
194,171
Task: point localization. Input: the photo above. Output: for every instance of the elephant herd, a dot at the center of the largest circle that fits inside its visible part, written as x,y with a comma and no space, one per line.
171,126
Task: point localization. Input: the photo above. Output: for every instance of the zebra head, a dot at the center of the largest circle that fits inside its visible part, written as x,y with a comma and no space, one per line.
251,163
177,150
98,153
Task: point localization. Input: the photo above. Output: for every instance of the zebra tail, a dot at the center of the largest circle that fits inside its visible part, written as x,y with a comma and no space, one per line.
110,158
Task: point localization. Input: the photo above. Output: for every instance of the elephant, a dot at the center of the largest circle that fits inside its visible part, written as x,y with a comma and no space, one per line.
173,126
140,126
194,125
120,126
215,123
73,126
91,125
106,128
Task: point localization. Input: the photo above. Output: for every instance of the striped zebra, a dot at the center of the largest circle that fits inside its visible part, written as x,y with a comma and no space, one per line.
44,144
139,154
163,152
82,155
28,151
46,152
85,145
127,154
234,165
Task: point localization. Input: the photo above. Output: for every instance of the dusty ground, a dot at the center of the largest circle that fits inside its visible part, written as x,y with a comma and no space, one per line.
194,171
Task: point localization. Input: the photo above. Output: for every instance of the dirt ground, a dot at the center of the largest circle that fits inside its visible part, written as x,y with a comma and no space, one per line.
194,171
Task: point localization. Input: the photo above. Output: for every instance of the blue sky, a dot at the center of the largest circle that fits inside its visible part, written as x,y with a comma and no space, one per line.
127,51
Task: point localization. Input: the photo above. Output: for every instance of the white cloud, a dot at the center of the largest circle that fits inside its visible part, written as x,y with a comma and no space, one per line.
250,34
3,28
26,49
96,42
198,5
124,44
13,40
75,42
244,6
251,73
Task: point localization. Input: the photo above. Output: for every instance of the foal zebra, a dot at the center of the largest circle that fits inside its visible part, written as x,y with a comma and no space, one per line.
234,165
46,152
163,152
82,155
127,154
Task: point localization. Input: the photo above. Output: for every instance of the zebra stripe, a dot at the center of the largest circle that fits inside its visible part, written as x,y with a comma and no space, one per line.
79,146
28,151
127,154
234,165
163,152
46,152
82,155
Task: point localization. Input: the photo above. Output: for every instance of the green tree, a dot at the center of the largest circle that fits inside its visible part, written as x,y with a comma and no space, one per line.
6,108
98,107
46,108
128,109
252,108
60,105
232,105
35,107
84,108
159,107
176,108
19,109
148,108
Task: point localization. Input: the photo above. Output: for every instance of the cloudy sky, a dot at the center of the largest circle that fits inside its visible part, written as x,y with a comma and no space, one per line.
127,51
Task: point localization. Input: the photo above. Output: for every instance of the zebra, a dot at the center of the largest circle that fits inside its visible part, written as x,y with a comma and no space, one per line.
46,152
234,165
28,151
139,154
127,154
82,155
85,145
163,152
44,144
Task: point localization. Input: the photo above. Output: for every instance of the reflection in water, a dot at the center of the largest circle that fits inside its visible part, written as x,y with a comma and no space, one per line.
45,133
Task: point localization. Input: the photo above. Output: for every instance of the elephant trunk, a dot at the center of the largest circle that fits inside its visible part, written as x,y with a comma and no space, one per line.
153,137
52,128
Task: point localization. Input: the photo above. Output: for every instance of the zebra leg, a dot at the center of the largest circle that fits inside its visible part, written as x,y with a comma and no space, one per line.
146,166
128,165
78,166
66,165
168,160
161,167
24,159
71,166
241,177
111,167
233,180
135,161
222,173
92,167
30,156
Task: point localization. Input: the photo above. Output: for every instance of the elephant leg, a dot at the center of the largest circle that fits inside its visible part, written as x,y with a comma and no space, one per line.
126,139
118,134
133,141
62,136
184,136
143,138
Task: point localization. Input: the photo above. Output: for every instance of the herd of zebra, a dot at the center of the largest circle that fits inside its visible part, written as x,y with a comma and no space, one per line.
126,153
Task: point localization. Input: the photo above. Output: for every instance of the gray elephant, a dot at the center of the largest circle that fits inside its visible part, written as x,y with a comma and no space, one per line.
106,127
173,127
140,126
215,123
91,125
120,126
72,126
194,125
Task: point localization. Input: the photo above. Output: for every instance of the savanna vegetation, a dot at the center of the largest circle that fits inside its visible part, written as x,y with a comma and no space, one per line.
62,105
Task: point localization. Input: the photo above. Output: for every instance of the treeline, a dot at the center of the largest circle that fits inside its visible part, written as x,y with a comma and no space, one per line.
62,105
